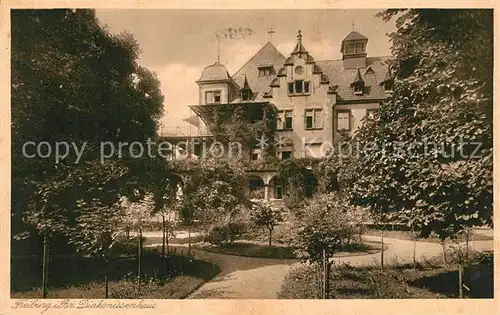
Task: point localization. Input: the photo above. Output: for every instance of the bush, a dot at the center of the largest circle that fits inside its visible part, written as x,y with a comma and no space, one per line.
228,233
218,235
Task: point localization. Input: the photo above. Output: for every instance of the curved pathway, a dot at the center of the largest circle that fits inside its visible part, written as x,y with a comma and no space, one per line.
261,278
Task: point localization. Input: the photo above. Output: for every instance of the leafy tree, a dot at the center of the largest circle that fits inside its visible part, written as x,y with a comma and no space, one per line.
264,215
214,191
424,160
323,231
72,81
98,228
297,173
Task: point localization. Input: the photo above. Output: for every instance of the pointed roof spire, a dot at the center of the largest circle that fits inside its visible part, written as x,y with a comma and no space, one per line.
299,49
245,83
358,79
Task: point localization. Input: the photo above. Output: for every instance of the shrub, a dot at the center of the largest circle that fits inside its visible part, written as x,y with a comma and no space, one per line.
226,233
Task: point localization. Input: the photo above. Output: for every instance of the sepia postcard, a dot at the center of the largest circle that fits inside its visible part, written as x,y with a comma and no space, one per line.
210,157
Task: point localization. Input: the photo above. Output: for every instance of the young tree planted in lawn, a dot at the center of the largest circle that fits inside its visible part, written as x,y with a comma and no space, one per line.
265,216
322,232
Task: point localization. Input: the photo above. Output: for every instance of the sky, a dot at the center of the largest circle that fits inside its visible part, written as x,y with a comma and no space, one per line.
178,44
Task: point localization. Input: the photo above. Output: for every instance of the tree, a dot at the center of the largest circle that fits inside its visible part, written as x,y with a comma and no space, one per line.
72,81
264,215
323,231
430,156
97,230
214,191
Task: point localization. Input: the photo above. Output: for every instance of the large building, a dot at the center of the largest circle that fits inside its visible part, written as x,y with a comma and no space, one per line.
301,105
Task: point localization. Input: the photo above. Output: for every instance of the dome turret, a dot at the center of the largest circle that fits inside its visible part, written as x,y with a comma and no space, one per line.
215,72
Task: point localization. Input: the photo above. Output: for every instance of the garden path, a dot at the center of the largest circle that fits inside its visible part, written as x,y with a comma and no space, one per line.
261,278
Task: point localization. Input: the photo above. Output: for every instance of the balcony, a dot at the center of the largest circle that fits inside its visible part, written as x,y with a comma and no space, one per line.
185,132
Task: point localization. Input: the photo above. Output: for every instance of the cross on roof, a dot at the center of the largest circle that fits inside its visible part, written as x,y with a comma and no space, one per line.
271,32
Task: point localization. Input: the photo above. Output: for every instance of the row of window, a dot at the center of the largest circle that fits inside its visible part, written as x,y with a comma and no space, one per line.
312,119
358,48
299,87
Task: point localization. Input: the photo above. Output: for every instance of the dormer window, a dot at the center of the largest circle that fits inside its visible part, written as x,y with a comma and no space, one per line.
388,86
360,48
358,89
246,95
349,49
266,71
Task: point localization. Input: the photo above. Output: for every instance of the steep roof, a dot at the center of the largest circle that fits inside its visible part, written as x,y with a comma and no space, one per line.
354,36
268,55
342,78
214,72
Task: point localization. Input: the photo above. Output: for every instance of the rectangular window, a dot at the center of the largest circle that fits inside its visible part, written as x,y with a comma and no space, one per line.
209,97
349,49
313,119
306,87
286,155
298,86
265,71
360,48
281,119
288,119
217,96
344,120
285,119
212,97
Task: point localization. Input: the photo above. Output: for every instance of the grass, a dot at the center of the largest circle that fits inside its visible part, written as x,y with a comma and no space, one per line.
176,277
158,240
279,251
408,235
394,282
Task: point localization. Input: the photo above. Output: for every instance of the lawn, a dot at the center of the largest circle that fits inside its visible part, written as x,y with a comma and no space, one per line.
394,282
408,235
173,278
280,251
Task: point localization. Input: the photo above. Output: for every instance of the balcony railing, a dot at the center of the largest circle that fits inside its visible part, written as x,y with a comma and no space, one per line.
185,131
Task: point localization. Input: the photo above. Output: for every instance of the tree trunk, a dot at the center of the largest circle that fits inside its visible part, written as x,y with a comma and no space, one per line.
189,241
167,234
414,249
327,279
270,237
139,257
460,280
467,235
127,232
106,277
382,244
443,245
163,236
45,266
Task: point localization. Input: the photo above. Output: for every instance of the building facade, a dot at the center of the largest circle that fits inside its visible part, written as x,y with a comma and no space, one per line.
306,104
